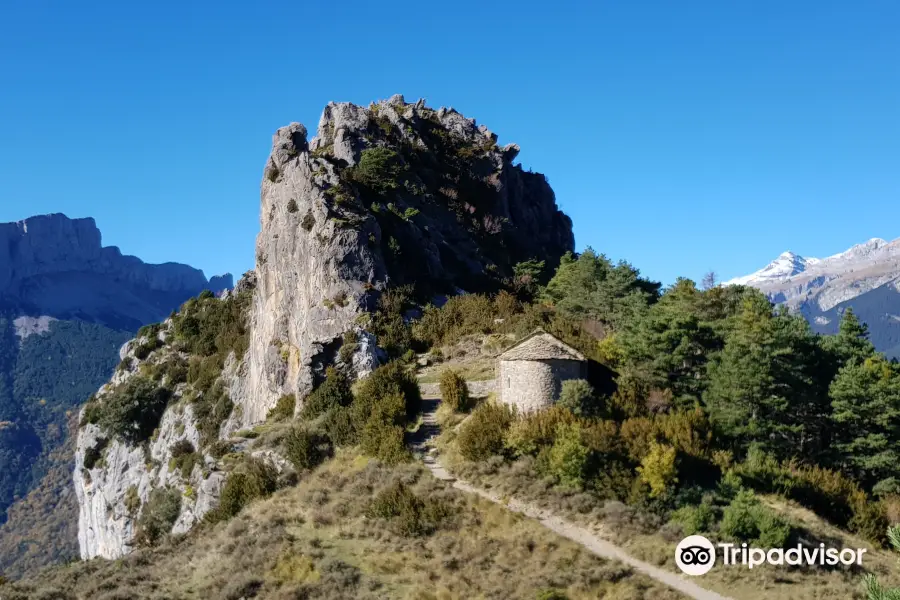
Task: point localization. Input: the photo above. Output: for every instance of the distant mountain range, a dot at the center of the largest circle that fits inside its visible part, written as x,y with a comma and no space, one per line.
55,266
865,277
67,304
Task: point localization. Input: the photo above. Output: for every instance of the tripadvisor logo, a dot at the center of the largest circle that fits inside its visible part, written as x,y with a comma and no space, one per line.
696,555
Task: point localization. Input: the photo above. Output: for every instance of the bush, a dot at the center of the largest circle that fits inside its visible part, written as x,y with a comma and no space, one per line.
481,435
567,458
94,454
382,433
387,380
339,428
252,479
388,324
305,450
454,392
184,457
211,410
283,409
132,500
459,316
158,516
332,393
577,395
529,434
133,411
745,519
658,469
378,169
694,519
407,514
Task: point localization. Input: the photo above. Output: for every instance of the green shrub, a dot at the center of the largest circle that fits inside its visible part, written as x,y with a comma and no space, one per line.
332,393
454,391
249,481
158,516
382,434
567,458
308,221
577,395
338,425
459,316
292,206
132,500
133,410
379,169
387,380
658,469
745,519
534,431
349,346
551,595
209,326
695,519
283,409
482,434
304,449
144,349
388,324
211,410
184,457
406,513
94,454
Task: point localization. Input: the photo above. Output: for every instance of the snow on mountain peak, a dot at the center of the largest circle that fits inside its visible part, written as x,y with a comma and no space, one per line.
789,264
786,265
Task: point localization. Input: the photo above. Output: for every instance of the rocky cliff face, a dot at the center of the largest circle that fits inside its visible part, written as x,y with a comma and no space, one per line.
394,193
67,304
56,266
865,278
386,195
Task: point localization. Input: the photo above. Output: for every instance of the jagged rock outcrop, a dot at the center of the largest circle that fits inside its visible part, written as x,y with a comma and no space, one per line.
388,194
385,195
51,265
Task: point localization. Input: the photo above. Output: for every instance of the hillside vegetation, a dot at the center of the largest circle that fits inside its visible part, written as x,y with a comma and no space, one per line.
355,528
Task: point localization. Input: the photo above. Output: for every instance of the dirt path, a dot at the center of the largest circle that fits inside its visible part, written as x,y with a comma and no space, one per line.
422,442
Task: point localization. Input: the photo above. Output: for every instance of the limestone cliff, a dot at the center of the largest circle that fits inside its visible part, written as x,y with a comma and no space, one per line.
394,193
386,195
56,266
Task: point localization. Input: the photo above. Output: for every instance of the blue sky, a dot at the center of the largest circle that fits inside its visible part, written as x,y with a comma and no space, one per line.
681,136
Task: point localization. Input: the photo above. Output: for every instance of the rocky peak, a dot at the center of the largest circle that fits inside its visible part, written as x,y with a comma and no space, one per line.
389,194
57,266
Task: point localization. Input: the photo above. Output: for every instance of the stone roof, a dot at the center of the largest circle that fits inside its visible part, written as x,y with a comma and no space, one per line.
540,345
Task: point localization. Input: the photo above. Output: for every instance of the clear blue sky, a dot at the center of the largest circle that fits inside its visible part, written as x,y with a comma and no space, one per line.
681,136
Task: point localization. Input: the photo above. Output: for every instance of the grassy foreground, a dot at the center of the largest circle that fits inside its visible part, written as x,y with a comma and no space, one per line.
329,537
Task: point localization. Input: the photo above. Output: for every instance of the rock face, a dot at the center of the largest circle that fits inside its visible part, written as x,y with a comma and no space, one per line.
110,492
56,266
865,278
393,193
386,195
66,306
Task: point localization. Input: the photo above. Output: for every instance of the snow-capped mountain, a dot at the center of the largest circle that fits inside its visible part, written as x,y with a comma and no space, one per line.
865,277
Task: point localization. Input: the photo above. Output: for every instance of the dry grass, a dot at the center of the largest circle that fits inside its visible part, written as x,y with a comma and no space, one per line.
473,357
649,538
315,541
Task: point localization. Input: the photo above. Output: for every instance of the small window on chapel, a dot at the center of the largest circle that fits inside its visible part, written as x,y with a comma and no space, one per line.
508,384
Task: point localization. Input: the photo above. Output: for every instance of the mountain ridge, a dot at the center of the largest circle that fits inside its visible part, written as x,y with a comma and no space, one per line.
865,277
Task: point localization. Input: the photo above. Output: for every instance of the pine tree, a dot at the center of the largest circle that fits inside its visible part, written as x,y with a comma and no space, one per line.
865,398
851,344
591,287
766,386
874,590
